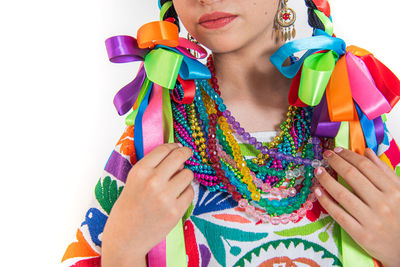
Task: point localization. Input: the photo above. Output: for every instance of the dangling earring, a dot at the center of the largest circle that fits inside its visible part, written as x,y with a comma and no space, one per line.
193,40
285,19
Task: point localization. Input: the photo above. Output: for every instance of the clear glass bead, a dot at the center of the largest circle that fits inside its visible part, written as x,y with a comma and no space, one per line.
292,191
289,174
324,163
315,163
296,172
301,168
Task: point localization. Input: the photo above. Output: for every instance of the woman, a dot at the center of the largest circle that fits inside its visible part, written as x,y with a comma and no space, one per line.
247,205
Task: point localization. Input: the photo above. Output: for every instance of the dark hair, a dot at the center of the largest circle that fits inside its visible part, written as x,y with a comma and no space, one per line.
171,13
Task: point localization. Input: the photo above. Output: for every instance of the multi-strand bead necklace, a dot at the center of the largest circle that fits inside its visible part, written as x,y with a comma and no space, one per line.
283,169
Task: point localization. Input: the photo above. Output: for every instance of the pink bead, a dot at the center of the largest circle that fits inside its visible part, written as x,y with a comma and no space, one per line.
258,182
284,219
292,191
302,212
265,218
275,191
243,203
257,215
275,220
308,205
266,187
250,210
284,193
293,217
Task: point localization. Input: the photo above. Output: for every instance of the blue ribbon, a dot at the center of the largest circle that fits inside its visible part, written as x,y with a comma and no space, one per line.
191,68
311,44
368,129
138,132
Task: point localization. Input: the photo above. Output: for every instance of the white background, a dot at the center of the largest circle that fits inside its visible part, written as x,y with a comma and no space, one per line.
58,122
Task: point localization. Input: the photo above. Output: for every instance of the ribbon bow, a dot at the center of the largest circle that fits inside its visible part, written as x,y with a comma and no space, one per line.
165,59
351,91
345,84
165,55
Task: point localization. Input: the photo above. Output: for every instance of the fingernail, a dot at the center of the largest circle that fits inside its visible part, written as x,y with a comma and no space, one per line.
327,153
180,145
317,171
338,149
317,192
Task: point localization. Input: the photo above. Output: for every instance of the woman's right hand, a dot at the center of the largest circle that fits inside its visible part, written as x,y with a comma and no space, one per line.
148,207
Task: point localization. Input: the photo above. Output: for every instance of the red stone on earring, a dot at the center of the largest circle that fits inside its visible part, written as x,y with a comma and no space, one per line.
286,16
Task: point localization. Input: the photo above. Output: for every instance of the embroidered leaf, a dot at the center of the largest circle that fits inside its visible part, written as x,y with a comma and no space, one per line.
323,236
231,218
107,193
286,242
215,233
188,212
235,250
336,235
212,201
306,229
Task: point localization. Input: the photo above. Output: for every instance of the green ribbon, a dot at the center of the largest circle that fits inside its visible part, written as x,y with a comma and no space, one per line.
352,253
175,241
130,119
162,67
326,21
384,119
315,75
164,9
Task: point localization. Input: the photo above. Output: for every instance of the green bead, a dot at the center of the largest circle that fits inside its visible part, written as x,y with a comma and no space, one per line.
308,175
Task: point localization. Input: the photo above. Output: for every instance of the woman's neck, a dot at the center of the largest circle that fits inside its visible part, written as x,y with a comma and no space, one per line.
252,88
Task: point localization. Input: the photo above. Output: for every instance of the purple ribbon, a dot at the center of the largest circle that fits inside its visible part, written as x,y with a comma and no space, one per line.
320,122
122,49
379,130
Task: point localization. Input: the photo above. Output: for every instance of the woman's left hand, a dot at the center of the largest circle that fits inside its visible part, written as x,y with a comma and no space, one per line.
370,214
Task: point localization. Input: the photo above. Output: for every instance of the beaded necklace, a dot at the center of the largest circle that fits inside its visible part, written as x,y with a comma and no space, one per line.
283,168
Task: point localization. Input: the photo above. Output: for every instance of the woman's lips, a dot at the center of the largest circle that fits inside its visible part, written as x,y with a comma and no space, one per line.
218,23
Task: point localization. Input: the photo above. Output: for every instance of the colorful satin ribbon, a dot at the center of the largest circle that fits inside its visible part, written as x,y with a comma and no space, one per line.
165,60
351,91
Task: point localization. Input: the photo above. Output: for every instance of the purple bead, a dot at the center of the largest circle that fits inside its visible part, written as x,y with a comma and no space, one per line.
252,141
226,113
230,119
272,153
240,131
258,145
279,155
298,160
316,140
264,150
246,135
236,125
289,157
307,161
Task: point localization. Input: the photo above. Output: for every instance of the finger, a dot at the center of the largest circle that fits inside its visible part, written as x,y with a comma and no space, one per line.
154,157
348,222
381,165
185,199
172,162
343,196
180,181
361,185
364,166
